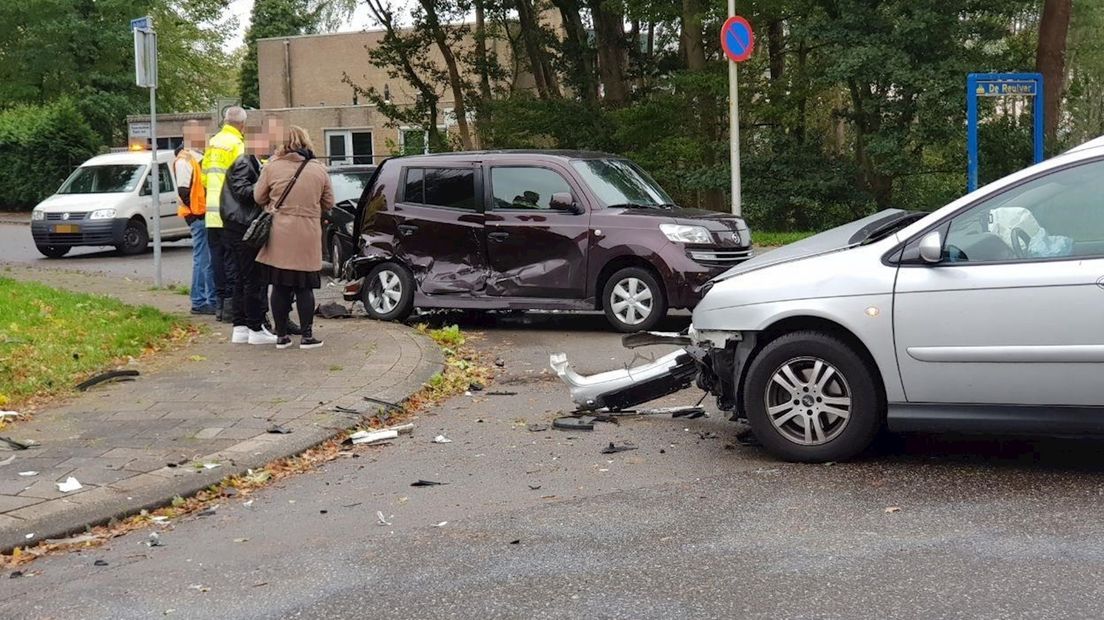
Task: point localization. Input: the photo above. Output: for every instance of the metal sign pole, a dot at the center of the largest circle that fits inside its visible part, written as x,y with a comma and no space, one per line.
155,177
145,75
734,126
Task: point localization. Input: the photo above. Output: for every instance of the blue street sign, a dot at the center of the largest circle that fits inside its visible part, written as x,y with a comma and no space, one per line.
1000,85
142,23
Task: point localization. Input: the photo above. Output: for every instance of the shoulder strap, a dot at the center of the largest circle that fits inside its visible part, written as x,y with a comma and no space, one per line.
280,202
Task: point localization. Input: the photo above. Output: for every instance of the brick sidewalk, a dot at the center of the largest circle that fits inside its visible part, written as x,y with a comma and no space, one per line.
209,403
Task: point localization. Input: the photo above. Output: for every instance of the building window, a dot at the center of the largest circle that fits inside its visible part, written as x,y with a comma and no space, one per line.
344,147
412,141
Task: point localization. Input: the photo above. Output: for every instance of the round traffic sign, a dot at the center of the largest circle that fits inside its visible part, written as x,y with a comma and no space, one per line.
737,39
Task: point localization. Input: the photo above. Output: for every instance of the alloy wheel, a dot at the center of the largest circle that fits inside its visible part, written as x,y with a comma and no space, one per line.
808,401
631,301
385,292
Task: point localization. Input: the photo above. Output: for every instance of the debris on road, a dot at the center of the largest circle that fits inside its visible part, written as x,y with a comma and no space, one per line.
614,448
516,541
199,588
441,524
211,465
572,423
210,512
426,483
892,509
241,540
17,445
441,439
26,474
7,461
501,363
154,540
15,574
686,412
372,437
71,484
534,487
333,310
502,393
8,414
401,429
107,376
100,563
349,410
248,504
276,429
475,386
537,428
381,519
384,403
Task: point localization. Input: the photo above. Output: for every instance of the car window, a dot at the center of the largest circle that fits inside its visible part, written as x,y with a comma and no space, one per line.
102,180
1057,215
525,187
441,187
164,182
349,185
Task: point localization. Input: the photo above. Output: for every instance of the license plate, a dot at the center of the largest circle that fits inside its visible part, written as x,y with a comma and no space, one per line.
67,228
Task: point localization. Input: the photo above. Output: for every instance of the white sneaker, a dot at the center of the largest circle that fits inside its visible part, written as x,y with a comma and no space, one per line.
261,337
241,335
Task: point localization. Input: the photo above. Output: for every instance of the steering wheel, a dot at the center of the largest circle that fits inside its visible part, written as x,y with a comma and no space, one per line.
1020,241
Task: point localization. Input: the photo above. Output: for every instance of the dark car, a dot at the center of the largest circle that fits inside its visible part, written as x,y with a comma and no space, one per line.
524,230
337,227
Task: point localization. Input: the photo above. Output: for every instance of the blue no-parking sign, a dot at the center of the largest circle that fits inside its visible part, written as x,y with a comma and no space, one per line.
737,39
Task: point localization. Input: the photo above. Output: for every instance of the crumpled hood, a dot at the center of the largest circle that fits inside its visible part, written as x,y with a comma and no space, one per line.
833,240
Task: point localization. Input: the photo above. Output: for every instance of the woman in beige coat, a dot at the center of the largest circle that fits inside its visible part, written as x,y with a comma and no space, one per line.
292,259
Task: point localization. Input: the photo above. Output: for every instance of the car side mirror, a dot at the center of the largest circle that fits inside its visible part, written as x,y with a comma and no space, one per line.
564,201
931,248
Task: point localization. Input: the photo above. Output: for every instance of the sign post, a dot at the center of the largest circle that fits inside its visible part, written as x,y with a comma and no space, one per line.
1000,85
145,75
738,42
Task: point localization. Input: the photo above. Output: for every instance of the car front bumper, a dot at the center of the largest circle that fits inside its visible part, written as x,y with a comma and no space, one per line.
65,234
690,268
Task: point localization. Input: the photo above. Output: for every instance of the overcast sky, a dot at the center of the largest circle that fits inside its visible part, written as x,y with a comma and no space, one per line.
241,8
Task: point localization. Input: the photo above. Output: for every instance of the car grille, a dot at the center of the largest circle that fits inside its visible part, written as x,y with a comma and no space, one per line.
720,257
73,216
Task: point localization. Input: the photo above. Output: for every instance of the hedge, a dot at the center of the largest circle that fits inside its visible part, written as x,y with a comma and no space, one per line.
39,147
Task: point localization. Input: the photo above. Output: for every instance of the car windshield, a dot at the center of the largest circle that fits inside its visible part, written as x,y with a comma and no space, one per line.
113,179
620,183
349,185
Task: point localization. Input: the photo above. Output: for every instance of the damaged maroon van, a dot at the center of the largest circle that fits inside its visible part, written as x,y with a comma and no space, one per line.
533,230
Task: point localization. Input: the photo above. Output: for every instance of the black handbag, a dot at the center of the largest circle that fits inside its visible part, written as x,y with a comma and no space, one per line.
256,236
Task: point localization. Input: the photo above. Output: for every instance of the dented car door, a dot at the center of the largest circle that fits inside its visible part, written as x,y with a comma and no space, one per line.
440,228
536,247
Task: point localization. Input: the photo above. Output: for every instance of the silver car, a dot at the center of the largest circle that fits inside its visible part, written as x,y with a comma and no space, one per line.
986,315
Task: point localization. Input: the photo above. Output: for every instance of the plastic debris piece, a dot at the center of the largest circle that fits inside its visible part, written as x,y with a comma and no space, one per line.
159,519
154,540
27,474
441,524
614,448
537,428
71,484
441,439
100,563
385,403
107,376
372,437
500,362
572,423
534,487
15,574
199,588
475,386
402,429
349,410
333,310
892,509
29,536
515,542
210,512
7,461
8,414
241,540
382,520
17,445
426,483
211,465
276,429
502,393
248,504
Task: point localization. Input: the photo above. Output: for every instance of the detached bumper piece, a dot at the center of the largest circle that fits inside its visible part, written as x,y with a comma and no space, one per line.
621,389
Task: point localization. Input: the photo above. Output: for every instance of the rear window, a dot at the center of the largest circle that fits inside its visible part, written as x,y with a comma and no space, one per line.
453,188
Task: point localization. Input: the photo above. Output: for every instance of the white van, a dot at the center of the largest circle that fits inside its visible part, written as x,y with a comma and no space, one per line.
106,201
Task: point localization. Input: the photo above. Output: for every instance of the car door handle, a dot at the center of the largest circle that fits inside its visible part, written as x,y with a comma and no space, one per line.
407,229
498,236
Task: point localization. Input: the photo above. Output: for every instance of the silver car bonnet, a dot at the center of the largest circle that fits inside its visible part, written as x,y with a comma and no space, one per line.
832,240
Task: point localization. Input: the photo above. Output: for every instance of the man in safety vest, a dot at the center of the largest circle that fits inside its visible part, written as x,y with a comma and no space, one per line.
193,208
221,152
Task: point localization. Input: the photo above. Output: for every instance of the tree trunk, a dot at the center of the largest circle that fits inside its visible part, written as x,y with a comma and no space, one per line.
577,49
1050,60
692,37
481,51
775,41
538,63
453,72
609,32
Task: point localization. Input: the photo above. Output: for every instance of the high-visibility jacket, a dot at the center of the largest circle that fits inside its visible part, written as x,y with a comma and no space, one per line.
197,193
221,152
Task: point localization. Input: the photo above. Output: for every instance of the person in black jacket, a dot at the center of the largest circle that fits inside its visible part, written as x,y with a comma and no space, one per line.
238,210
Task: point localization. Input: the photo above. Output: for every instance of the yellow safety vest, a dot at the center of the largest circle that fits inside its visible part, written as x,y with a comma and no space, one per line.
226,146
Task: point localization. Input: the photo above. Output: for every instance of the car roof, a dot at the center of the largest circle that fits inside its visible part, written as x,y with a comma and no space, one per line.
134,158
562,154
1091,144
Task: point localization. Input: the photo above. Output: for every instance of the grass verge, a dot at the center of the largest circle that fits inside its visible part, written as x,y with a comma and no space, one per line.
774,239
50,340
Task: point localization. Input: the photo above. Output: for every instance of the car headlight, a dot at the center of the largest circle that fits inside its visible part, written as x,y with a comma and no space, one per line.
37,215
349,228
686,234
102,214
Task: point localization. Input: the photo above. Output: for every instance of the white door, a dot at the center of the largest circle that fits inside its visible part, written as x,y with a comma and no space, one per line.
171,223
1015,312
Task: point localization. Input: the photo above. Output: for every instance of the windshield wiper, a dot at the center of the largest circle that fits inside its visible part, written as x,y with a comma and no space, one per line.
878,233
637,205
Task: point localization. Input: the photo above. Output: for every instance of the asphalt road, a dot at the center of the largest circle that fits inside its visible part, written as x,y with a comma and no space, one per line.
542,525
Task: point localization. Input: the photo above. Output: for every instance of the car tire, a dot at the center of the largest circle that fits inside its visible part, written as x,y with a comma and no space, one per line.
397,281
52,251
135,238
337,261
637,289
786,398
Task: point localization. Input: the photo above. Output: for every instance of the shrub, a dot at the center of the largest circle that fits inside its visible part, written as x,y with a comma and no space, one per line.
39,147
